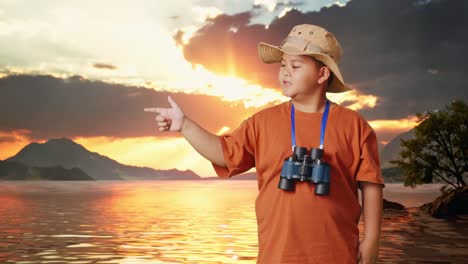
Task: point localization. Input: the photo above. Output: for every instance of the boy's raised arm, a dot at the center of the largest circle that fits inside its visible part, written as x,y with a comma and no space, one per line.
204,142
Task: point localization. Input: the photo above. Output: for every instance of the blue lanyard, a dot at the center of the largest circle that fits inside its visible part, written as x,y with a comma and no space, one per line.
322,127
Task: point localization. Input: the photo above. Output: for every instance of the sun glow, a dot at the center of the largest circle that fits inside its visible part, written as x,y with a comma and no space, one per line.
162,153
227,87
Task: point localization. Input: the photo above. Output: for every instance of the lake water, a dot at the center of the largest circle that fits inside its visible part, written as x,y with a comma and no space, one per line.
186,222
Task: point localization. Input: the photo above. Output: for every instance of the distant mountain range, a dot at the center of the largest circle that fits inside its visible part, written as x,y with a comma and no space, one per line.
63,159
243,176
67,155
14,171
391,150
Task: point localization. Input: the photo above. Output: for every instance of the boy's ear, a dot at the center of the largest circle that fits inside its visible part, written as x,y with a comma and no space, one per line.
324,75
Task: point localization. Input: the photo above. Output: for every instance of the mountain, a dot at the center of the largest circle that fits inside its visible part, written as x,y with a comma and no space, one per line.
244,176
68,154
393,174
64,155
13,171
391,151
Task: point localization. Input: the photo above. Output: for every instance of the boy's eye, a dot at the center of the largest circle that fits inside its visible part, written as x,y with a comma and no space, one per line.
295,67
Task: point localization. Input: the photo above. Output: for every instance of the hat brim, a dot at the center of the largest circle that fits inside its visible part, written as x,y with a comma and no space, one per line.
272,54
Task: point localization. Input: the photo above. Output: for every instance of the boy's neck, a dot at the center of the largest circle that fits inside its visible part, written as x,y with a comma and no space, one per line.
312,104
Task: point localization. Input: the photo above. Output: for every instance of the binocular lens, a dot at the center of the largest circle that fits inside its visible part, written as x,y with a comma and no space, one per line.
286,185
322,188
316,153
300,151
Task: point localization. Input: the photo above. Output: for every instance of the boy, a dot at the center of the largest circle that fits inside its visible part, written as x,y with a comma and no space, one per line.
301,226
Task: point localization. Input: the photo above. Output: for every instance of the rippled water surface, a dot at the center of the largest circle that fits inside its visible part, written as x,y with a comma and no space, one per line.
185,222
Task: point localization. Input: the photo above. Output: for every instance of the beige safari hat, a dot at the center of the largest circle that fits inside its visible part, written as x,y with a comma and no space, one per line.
309,40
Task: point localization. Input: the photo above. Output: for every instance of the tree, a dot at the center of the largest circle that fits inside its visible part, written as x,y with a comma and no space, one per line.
439,148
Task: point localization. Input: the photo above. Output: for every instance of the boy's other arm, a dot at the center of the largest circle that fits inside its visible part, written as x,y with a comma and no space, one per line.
204,142
372,203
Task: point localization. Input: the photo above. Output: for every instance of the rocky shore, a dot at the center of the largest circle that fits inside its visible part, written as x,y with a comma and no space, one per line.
449,205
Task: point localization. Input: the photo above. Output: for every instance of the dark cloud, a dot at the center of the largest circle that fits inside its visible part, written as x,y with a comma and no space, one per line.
104,66
50,107
282,5
409,53
7,139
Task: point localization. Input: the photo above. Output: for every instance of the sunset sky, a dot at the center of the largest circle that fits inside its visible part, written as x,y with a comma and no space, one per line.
86,69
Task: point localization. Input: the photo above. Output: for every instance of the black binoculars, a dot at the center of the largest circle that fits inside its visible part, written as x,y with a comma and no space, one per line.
304,166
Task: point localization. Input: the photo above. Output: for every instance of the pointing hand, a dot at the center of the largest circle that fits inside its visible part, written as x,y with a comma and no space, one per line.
168,119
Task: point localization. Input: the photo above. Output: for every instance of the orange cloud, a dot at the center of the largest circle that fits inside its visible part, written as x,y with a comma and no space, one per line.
387,129
356,100
402,125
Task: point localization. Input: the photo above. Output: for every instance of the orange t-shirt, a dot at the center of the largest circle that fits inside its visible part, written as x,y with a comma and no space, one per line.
302,227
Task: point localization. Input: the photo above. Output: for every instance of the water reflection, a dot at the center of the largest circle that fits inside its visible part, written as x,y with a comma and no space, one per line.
180,222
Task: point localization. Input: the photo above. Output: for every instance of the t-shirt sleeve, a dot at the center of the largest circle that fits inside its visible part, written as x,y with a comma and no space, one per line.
369,166
238,150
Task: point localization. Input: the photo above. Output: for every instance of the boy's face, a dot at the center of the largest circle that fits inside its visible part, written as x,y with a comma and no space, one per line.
299,75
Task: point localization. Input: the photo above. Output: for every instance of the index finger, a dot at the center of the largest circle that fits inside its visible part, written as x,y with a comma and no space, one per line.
152,109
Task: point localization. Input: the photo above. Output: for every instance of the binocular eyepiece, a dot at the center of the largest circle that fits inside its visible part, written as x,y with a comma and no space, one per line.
304,166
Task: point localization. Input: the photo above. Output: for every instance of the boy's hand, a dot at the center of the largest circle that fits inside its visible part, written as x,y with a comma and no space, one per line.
169,119
368,252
